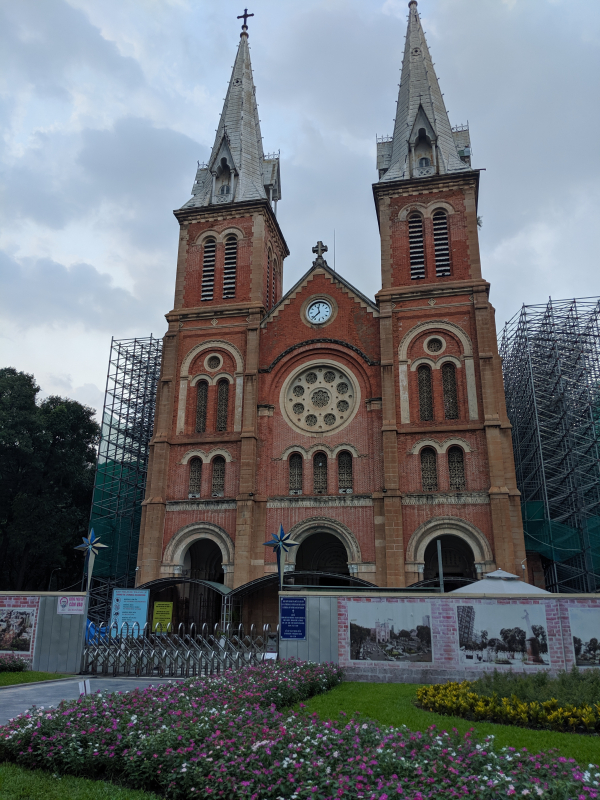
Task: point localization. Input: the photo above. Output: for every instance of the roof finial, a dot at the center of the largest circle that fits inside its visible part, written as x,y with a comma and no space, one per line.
412,3
245,16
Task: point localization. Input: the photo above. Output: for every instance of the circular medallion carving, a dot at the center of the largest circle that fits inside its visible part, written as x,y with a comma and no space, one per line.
330,397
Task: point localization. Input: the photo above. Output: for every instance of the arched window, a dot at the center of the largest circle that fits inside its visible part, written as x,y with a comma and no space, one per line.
225,189
320,473
416,245
450,394
230,268
345,472
218,476
295,473
222,405
441,244
424,162
425,393
269,271
429,477
201,404
208,268
456,468
195,477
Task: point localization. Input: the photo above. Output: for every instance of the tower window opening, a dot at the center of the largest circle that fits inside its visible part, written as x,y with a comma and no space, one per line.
230,268
269,270
456,469
208,269
416,246
441,243
449,389
195,485
320,473
201,405
425,393
345,473
218,476
424,162
295,473
429,478
222,405
225,189
273,283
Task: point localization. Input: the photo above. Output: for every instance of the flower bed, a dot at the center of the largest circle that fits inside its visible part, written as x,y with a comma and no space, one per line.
12,663
460,700
226,738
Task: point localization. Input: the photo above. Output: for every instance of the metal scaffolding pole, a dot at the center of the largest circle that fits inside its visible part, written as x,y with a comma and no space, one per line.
551,365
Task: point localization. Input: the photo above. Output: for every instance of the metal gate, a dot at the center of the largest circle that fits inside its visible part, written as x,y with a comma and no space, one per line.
184,653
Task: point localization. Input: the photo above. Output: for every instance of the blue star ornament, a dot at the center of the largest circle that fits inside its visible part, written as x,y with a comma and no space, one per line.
281,543
90,547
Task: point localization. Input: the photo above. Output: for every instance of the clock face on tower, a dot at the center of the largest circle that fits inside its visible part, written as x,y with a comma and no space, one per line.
318,312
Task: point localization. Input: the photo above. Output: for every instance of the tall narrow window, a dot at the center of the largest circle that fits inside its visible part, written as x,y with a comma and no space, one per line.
230,268
222,405
201,403
295,473
195,477
320,473
208,268
450,394
429,476
456,468
345,472
417,247
274,283
425,393
218,476
269,270
441,244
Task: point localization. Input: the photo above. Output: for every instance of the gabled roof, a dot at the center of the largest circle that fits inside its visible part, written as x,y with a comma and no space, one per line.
321,267
420,105
239,141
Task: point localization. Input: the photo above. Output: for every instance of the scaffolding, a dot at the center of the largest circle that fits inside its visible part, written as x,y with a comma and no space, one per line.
551,364
122,465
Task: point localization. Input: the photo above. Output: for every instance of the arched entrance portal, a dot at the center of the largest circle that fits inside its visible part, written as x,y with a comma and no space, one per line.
204,560
322,552
458,561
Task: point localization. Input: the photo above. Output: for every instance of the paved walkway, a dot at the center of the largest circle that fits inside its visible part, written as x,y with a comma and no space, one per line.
17,699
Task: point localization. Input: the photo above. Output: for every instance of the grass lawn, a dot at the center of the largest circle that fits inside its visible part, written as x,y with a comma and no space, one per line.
13,678
17,783
392,704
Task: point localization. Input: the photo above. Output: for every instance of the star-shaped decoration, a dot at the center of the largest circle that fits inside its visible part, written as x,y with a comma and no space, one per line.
281,543
90,547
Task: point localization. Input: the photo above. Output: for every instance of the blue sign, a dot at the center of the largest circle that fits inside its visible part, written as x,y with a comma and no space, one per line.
130,606
292,617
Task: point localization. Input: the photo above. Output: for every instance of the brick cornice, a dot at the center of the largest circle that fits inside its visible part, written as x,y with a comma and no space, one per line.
426,290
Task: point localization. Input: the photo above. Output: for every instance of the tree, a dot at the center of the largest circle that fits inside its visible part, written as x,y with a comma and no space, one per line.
540,634
404,634
592,646
577,644
424,635
484,639
47,457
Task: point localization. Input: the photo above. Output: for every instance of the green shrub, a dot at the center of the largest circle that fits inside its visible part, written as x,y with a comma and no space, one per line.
13,663
574,688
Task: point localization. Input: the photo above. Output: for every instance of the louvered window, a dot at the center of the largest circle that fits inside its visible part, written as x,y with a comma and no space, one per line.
218,476
320,473
345,472
274,283
230,268
295,473
417,246
456,468
450,394
441,244
429,477
195,477
222,405
269,269
201,405
208,268
425,393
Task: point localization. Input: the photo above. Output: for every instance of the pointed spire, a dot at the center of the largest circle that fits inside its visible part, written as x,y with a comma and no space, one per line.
423,142
238,170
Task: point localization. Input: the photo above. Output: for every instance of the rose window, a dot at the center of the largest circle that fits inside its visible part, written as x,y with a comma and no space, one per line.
330,398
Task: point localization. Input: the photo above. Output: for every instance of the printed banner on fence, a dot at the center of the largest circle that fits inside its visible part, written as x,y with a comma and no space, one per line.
163,615
130,606
70,605
292,618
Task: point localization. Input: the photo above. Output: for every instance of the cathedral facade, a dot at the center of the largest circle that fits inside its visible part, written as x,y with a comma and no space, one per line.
369,428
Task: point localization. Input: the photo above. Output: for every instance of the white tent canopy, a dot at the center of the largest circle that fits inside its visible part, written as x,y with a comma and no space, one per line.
500,582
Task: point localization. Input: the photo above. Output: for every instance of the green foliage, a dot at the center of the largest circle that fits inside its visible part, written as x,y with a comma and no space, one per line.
577,687
47,457
31,676
13,663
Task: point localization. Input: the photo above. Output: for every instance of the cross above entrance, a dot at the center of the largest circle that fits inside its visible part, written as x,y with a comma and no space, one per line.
245,16
319,249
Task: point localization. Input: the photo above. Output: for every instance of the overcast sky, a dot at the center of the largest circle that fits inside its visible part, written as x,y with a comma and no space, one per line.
106,105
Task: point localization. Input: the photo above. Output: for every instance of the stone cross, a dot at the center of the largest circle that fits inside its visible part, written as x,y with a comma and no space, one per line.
245,16
319,249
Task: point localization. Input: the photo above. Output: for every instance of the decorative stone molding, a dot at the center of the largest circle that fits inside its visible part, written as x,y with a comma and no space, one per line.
318,501
454,526
425,210
308,453
309,342
186,536
206,457
441,447
302,530
446,499
201,505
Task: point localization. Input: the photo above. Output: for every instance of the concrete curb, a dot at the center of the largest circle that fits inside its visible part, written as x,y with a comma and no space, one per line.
38,683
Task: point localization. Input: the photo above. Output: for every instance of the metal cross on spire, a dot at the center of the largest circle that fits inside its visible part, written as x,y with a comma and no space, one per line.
245,16
319,249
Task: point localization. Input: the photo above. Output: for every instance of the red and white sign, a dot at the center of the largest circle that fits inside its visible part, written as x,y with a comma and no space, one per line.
70,605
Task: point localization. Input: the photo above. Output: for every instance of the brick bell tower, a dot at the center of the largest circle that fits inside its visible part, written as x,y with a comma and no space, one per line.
447,447
229,274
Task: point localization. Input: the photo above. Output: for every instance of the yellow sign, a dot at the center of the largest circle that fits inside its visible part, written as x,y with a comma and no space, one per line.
163,614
